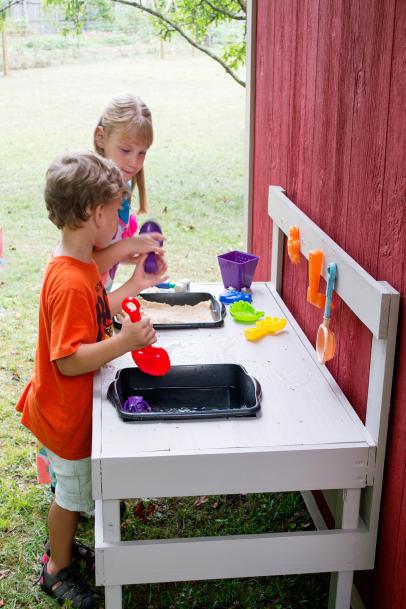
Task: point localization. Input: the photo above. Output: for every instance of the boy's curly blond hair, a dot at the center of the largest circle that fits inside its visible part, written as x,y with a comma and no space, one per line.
76,183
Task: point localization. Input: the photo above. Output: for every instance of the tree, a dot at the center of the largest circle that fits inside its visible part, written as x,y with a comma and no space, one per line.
5,5
193,20
77,13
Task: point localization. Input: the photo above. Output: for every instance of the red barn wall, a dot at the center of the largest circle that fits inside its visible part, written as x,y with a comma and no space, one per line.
330,127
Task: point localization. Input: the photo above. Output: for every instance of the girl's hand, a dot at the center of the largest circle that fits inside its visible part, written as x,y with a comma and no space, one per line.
147,242
142,280
137,335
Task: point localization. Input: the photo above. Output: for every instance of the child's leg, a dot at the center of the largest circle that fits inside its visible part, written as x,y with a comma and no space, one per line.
59,577
62,526
73,494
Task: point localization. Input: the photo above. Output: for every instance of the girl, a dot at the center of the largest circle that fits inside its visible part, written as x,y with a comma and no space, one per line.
124,134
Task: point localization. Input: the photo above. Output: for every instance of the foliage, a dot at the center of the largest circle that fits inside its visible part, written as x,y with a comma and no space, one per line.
77,13
5,5
195,21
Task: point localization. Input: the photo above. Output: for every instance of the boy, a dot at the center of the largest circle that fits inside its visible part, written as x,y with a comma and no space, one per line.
83,194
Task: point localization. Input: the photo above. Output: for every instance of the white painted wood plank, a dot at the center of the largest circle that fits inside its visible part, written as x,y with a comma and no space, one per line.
99,543
350,511
111,520
111,530
113,597
377,416
96,434
322,369
136,562
340,590
368,299
341,581
253,471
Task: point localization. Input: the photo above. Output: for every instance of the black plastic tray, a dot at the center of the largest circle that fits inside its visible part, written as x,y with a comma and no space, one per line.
188,392
185,298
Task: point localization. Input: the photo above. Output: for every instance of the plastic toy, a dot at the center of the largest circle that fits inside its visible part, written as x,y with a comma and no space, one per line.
237,269
230,296
136,403
180,286
326,340
243,311
152,360
315,297
269,325
294,245
151,264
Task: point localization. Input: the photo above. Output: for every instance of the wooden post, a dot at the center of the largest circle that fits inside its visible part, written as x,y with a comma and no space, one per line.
5,50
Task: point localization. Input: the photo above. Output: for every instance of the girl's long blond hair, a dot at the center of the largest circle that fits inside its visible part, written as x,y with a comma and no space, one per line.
129,115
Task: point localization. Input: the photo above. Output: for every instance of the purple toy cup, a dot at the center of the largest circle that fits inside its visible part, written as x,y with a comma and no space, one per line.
237,269
151,264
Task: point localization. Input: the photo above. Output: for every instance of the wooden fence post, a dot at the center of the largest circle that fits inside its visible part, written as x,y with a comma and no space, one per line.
5,50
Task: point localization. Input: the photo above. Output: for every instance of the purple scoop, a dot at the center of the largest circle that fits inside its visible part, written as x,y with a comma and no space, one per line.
151,264
136,403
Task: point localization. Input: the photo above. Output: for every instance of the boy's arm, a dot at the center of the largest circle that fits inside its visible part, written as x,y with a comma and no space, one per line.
140,280
90,357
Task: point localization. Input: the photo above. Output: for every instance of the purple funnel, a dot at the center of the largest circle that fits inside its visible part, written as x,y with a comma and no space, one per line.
151,264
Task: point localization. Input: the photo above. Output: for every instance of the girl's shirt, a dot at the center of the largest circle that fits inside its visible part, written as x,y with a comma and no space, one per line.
127,227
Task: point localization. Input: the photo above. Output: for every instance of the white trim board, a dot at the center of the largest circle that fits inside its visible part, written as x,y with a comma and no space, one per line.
367,298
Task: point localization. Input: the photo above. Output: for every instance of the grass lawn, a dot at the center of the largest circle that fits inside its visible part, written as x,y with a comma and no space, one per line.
194,175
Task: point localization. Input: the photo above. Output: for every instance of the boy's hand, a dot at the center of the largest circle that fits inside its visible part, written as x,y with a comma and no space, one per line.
142,280
137,335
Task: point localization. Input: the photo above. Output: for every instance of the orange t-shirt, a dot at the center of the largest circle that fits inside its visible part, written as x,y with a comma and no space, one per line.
73,310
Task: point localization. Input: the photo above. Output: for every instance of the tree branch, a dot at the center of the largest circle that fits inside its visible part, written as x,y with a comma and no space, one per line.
243,5
175,27
222,11
11,3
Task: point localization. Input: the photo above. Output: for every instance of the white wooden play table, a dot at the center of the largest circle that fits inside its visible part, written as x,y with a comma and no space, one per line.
306,436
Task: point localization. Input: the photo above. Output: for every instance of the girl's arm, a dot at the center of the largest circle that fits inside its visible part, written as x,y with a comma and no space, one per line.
111,255
90,357
125,249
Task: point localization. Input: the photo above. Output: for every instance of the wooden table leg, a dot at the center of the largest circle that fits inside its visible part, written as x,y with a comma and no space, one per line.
346,518
112,532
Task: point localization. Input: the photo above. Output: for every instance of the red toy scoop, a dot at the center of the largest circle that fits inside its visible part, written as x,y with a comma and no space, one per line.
152,360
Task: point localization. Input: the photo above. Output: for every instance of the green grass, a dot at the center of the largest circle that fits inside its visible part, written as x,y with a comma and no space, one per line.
195,181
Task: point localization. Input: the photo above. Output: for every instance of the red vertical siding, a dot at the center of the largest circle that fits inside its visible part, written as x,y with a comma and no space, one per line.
391,556
330,125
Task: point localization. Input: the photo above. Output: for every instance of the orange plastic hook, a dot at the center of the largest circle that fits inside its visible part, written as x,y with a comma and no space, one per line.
294,245
315,297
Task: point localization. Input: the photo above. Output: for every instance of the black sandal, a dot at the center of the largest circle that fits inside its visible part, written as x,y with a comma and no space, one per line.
82,555
68,585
